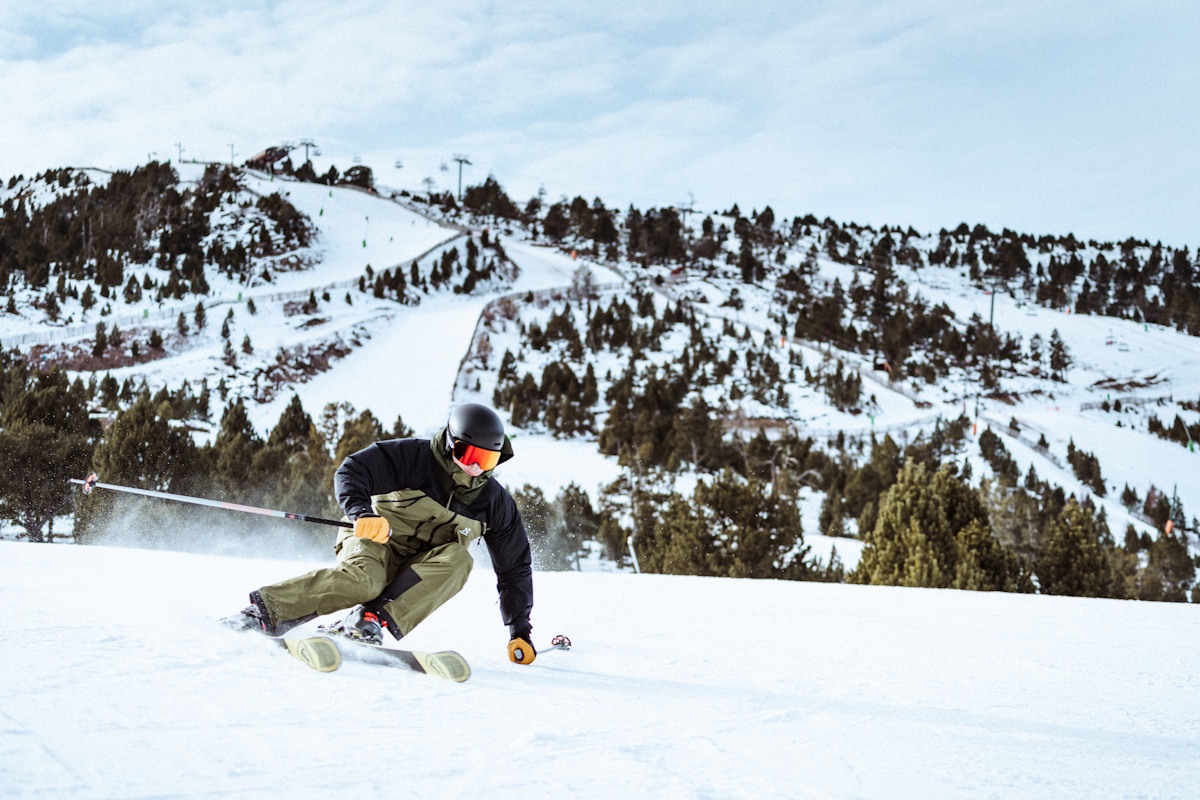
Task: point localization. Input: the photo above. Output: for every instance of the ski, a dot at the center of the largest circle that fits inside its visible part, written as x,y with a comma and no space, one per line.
445,664
326,652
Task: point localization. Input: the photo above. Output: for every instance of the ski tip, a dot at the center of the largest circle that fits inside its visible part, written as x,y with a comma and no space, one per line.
316,651
445,664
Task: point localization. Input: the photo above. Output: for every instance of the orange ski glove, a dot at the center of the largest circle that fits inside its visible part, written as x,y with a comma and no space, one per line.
521,650
374,528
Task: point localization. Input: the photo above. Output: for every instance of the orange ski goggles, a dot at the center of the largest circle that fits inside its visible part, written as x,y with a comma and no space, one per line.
468,454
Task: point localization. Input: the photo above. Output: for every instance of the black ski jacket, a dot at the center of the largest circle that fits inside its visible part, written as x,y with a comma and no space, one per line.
397,464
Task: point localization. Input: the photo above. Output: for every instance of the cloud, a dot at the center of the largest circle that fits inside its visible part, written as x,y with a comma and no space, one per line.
1043,117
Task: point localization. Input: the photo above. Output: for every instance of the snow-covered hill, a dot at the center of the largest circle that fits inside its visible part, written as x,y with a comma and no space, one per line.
415,360
117,683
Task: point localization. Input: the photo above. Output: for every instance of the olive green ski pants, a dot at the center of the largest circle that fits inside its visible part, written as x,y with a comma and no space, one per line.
401,586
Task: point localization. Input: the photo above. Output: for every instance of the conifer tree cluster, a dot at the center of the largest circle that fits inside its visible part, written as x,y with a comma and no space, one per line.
449,270
1004,467
46,432
1087,468
91,234
729,527
564,396
933,530
1179,431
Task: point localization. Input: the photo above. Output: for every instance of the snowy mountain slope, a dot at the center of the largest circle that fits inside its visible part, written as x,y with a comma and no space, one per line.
120,684
347,241
414,354
412,360
1152,369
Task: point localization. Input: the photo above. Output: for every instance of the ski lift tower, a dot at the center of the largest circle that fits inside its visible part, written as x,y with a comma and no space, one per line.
308,144
461,159
690,208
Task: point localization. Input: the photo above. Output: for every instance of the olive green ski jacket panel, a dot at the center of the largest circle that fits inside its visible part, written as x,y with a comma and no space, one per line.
406,482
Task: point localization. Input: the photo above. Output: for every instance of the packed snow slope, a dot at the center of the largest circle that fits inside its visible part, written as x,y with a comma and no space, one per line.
118,683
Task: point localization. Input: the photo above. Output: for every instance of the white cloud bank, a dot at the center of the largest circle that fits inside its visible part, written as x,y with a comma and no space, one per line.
1047,118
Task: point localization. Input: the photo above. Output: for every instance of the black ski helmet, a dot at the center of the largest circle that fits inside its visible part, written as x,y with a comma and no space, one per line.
476,424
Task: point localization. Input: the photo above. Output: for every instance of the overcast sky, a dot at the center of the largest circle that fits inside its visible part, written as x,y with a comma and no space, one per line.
1036,115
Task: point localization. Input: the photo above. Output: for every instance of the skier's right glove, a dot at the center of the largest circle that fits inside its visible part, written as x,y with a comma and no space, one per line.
374,528
521,649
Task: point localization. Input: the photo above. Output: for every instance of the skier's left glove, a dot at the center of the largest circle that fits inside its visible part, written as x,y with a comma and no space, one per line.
374,528
521,649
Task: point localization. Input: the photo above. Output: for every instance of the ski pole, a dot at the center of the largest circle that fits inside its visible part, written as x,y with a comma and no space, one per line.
93,481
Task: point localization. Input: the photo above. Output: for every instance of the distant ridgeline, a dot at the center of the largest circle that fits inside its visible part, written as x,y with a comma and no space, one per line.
64,233
64,229
655,383
1130,279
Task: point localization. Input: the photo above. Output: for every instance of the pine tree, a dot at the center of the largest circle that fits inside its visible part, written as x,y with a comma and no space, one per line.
553,536
1170,569
680,541
697,435
133,292
294,465
291,431
1060,358
1073,560
729,527
875,477
233,452
33,495
140,449
981,563
101,342
932,530
45,433
357,433
580,521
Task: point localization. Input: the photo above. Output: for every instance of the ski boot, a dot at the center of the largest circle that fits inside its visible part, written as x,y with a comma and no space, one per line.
361,624
254,617
249,618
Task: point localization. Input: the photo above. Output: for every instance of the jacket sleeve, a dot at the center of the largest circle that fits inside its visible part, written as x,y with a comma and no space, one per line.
508,544
373,470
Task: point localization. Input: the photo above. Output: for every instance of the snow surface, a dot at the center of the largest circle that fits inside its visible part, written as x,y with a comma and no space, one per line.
120,684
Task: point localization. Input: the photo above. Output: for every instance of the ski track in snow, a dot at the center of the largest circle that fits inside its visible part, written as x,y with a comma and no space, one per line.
676,687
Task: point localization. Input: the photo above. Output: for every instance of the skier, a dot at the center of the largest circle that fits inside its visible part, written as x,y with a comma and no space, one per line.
416,504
